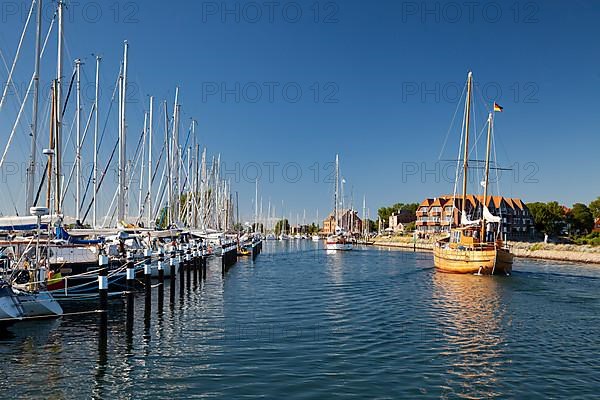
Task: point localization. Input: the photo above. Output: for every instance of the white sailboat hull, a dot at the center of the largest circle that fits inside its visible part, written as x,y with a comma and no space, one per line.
38,304
9,305
336,246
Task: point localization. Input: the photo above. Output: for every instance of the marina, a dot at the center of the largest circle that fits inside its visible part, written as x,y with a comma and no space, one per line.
299,318
314,205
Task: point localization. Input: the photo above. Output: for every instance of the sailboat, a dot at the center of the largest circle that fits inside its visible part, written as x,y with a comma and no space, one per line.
339,239
474,247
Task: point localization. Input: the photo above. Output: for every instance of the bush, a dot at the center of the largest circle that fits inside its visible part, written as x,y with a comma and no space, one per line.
593,239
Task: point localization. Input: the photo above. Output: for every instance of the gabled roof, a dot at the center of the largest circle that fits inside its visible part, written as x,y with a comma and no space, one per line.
437,202
426,203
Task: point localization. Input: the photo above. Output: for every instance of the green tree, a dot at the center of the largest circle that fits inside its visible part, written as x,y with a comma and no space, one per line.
282,223
581,218
549,217
595,208
385,212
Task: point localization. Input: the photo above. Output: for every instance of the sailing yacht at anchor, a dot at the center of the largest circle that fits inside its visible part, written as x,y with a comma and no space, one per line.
339,239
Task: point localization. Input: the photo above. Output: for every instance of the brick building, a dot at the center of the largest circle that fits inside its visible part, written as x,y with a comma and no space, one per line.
349,220
438,214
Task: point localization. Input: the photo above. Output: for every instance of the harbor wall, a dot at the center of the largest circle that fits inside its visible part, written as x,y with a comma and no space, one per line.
541,251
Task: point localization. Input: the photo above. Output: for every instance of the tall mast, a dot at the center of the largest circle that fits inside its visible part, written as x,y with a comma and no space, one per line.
364,213
487,170
188,198
335,195
34,119
466,154
58,128
96,127
175,155
123,138
169,163
51,146
255,205
78,146
196,186
143,156
150,124
203,191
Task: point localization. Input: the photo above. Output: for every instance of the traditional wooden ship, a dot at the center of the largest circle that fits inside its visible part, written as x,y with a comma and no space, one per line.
474,246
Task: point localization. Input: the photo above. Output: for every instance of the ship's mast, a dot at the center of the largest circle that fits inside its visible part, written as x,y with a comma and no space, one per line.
335,195
150,132
96,127
487,170
34,119
58,128
122,138
466,154
78,147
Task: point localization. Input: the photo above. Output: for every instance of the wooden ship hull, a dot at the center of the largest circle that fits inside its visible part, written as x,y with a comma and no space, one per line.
486,261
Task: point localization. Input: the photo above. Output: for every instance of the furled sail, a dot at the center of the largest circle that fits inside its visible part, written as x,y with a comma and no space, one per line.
487,215
464,220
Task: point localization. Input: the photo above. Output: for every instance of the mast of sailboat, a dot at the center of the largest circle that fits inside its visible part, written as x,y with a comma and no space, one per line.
143,156
335,195
466,153
487,172
78,146
58,127
364,213
150,124
255,205
96,127
175,156
196,186
122,138
169,164
34,118
51,147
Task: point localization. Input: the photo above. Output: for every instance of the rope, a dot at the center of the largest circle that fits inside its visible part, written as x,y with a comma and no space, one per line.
12,68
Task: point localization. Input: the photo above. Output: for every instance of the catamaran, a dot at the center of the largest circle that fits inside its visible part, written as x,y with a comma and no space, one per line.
474,246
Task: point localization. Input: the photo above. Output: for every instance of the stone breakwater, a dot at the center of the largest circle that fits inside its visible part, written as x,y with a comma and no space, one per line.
542,251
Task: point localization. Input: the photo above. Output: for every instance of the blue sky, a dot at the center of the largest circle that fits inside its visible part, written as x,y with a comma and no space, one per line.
377,83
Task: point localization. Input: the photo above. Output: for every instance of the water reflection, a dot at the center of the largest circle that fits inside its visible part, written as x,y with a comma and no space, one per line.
469,313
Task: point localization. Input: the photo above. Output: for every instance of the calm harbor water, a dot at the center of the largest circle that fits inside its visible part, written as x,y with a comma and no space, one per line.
303,324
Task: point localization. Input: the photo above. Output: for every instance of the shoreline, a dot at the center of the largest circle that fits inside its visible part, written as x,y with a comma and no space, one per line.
537,251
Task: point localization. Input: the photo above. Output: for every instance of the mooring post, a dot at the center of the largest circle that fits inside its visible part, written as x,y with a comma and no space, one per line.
195,263
223,258
148,276
161,279
188,263
172,265
203,261
103,291
181,262
161,266
130,272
